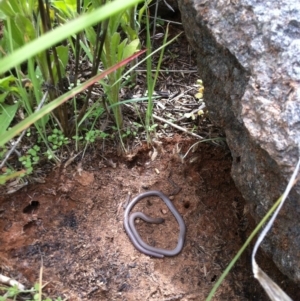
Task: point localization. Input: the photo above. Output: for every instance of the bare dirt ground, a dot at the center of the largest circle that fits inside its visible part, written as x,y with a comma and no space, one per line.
72,224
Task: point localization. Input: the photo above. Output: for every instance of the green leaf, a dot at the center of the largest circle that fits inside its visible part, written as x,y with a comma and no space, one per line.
115,41
131,33
66,7
96,3
63,56
36,286
120,51
3,97
10,7
7,113
6,83
13,291
91,36
131,48
16,34
25,26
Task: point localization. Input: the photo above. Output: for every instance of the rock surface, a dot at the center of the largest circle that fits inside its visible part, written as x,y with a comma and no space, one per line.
249,60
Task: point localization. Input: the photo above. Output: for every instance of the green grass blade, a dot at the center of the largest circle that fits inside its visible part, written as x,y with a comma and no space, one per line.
7,113
131,101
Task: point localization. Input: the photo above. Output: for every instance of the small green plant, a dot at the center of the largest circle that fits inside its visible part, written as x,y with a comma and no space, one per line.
152,127
11,293
114,51
132,131
92,135
31,158
113,41
57,139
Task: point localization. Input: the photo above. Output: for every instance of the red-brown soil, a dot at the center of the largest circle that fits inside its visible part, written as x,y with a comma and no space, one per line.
73,224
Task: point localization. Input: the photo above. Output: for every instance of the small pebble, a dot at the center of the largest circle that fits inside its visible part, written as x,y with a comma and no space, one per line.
164,211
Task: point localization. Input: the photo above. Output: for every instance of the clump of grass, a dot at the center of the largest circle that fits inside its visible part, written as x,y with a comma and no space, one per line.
39,38
32,34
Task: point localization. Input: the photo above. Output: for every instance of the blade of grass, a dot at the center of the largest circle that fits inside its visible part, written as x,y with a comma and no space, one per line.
131,101
204,140
150,80
150,108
